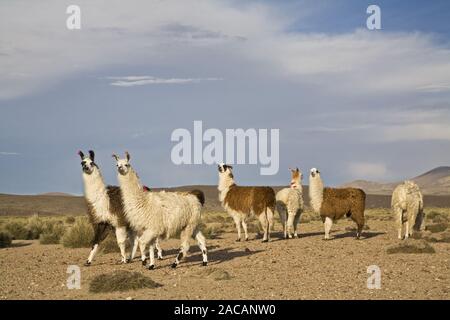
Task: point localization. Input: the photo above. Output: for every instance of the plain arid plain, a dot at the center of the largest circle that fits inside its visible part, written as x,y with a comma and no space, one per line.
50,233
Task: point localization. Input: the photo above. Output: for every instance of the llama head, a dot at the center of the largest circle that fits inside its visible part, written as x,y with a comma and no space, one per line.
123,165
314,173
87,162
296,178
224,168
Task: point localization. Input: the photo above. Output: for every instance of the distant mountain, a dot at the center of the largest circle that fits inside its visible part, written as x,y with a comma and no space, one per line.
433,182
59,194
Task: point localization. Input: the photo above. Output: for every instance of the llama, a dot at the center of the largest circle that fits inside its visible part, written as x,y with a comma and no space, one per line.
289,204
333,203
243,202
105,209
407,205
160,214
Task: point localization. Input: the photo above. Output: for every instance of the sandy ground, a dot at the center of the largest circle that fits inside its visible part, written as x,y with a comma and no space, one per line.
304,268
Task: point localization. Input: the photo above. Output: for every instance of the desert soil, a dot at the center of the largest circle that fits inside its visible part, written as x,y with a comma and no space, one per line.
304,268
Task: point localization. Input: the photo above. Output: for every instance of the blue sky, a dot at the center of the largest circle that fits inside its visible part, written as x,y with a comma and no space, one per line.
357,104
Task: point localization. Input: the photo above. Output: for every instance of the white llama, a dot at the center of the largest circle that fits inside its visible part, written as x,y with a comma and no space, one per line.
160,214
407,205
105,209
290,204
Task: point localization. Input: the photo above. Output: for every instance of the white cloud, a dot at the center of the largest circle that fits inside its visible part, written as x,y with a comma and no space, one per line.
435,88
131,81
5,153
367,170
38,51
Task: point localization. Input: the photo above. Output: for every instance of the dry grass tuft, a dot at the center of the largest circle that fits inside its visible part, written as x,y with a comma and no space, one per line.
437,227
121,281
216,274
5,239
411,246
79,235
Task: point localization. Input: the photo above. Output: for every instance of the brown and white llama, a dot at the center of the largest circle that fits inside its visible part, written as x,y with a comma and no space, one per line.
160,214
289,204
243,202
105,209
334,203
407,205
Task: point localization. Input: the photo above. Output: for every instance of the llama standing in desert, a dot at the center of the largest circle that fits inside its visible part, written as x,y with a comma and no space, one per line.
105,209
333,203
160,214
243,202
407,205
289,203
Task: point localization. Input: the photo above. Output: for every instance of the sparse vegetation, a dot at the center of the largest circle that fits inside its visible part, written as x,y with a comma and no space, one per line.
216,274
52,232
437,227
121,281
17,230
70,220
411,246
5,239
79,235
110,244
36,226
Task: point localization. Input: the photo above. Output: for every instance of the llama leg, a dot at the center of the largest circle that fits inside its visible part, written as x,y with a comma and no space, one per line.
185,235
283,220
296,220
100,233
244,226
158,249
269,222
121,236
202,245
151,253
142,248
407,229
290,224
237,221
134,242
328,223
264,225
359,220
399,221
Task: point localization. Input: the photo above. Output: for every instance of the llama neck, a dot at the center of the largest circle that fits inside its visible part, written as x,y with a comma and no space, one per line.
316,193
94,187
225,182
296,184
131,188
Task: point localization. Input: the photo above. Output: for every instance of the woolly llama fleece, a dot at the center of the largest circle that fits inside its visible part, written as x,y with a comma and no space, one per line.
407,205
334,203
289,204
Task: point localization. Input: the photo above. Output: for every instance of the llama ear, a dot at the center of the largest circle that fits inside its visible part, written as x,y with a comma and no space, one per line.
115,157
127,155
91,155
81,154
296,169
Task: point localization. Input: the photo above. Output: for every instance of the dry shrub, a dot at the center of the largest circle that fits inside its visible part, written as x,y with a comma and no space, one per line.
211,230
79,235
52,232
5,239
216,274
35,226
70,220
121,281
439,237
17,230
437,227
109,245
411,246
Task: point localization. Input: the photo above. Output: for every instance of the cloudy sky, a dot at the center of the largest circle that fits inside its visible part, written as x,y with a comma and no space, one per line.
358,104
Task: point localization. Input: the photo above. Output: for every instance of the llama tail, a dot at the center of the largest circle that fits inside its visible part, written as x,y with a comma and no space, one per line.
200,195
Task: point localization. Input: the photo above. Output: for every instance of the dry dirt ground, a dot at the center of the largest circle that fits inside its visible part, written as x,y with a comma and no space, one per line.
304,268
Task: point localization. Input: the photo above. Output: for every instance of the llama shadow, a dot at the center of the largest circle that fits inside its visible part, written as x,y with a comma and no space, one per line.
352,234
222,255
